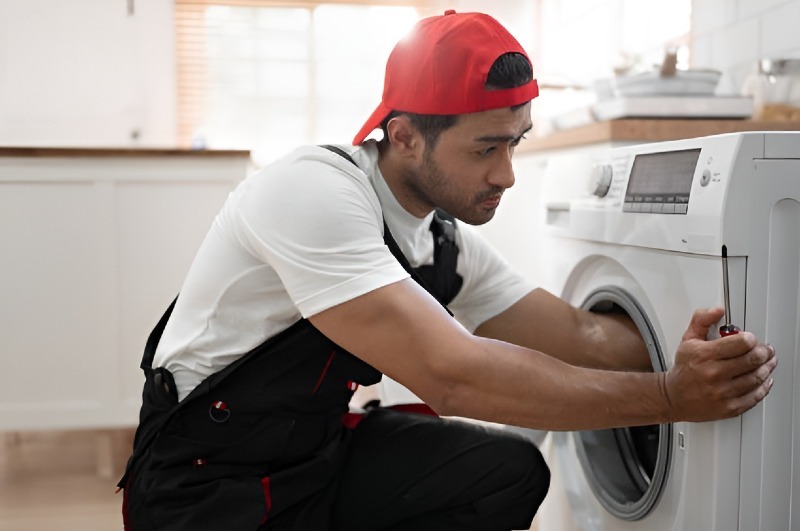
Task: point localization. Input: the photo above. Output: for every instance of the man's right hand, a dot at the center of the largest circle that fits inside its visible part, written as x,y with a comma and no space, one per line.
720,378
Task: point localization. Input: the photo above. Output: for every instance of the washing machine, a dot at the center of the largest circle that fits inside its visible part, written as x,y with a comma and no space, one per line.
640,229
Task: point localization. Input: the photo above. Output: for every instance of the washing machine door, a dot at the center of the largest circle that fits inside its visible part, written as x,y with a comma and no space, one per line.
626,468
672,477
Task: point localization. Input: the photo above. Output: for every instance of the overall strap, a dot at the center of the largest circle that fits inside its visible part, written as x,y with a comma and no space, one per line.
155,337
442,275
440,279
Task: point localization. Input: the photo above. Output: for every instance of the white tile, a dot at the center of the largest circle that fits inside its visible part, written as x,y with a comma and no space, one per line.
749,8
711,15
781,30
572,9
651,24
701,53
735,45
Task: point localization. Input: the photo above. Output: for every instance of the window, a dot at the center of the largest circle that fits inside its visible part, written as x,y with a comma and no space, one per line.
269,76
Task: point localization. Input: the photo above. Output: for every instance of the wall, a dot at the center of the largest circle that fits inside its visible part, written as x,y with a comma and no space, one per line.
519,16
731,35
87,73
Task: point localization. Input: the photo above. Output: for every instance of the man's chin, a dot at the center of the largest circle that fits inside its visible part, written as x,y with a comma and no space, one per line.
478,219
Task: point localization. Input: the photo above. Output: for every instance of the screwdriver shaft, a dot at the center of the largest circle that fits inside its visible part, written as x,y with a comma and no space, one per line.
725,284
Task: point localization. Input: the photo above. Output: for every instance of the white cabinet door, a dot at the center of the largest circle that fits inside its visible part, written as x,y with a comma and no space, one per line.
91,253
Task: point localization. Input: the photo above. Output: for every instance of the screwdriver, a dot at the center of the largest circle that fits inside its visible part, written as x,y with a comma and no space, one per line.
727,329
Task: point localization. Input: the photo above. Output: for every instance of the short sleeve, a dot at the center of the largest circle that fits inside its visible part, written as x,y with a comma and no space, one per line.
490,285
314,217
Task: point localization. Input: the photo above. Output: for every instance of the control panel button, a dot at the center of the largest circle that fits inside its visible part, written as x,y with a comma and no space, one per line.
705,177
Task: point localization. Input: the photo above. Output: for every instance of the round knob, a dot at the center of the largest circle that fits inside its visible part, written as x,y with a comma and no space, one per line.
601,179
705,177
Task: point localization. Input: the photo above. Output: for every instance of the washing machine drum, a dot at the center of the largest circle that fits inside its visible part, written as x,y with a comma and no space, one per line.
626,468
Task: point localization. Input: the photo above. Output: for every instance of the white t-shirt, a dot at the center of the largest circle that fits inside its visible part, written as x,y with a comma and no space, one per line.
301,236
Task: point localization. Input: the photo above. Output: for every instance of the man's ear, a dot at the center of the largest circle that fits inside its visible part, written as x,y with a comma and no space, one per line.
405,139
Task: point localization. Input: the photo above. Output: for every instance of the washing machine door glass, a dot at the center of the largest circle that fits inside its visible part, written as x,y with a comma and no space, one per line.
626,467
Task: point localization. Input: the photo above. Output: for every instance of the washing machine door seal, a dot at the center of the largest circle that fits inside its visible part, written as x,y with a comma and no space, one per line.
626,468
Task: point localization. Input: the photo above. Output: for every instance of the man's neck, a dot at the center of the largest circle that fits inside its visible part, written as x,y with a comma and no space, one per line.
395,172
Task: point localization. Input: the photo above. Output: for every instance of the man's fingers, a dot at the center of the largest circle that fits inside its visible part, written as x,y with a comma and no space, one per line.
744,347
749,399
701,321
728,363
749,382
722,378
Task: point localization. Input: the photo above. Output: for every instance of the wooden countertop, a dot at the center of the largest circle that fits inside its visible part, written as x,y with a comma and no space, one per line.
623,130
65,152
644,130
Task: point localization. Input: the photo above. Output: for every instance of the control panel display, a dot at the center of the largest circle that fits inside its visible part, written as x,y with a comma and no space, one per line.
660,183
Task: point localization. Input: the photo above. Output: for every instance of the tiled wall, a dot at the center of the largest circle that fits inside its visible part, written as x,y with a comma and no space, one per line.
583,40
731,35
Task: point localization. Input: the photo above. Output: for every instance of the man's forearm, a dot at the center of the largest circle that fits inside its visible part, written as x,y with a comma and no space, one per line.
404,333
541,321
560,397
614,342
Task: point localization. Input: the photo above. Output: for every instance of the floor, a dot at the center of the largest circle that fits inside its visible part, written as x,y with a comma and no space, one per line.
62,480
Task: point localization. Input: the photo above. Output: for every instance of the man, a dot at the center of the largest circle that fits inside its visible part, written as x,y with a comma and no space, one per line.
316,277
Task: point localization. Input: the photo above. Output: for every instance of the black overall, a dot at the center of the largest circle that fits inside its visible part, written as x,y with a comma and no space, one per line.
261,444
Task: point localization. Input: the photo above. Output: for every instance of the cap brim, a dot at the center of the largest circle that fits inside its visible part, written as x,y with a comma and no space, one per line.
372,123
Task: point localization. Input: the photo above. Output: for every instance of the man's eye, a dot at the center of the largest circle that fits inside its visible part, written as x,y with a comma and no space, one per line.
486,151
516,142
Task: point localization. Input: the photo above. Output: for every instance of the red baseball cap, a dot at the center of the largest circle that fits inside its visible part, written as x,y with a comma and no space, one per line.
441,66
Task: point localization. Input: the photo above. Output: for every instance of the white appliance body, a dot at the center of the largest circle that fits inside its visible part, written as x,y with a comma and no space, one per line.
641,229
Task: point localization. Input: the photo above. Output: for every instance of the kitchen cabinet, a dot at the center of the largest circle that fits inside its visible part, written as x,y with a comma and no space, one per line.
95,244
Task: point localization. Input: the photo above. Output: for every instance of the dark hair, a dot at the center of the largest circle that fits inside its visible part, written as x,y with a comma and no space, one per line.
510,70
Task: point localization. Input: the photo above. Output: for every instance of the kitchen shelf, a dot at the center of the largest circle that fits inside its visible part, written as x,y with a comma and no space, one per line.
646,130
71,152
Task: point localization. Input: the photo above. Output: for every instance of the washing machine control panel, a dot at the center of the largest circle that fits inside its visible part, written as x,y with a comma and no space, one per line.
660,183
703,188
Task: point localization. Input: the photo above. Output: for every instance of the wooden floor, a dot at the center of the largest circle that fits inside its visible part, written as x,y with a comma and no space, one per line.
61,481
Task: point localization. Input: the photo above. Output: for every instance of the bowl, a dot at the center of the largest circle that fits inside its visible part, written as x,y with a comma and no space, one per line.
682,83
652,83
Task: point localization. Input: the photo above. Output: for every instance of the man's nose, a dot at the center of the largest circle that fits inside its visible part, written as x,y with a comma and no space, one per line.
503,174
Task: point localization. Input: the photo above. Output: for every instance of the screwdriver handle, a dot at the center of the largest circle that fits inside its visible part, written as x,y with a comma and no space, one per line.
728,330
